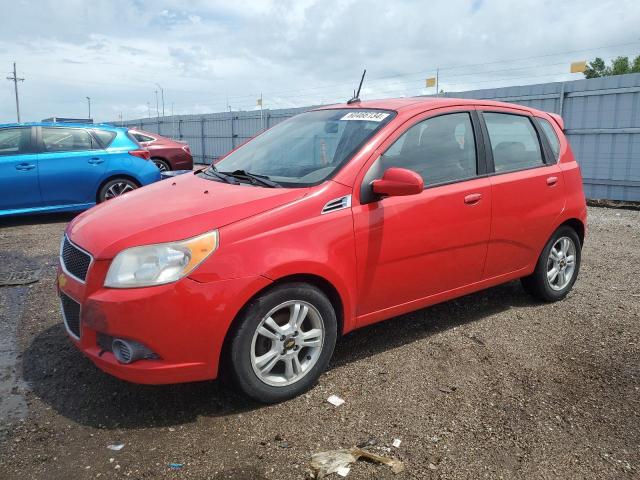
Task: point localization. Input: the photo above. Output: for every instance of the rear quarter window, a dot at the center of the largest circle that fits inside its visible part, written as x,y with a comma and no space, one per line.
105,137
551,135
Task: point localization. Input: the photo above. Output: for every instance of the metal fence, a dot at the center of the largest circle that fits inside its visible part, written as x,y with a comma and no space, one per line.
602,121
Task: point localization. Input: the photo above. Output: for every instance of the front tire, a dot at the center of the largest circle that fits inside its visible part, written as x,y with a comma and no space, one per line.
282,343
557,268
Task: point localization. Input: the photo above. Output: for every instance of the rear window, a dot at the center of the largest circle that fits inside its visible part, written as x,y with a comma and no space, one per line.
105,137
551,135
514,142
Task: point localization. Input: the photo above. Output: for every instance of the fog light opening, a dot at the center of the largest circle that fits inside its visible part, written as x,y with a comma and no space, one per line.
129,351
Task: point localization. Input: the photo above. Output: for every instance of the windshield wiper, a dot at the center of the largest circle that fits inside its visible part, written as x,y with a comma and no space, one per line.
253,178
213,172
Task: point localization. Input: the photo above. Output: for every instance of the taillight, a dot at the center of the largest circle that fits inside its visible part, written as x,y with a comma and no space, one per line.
144,154
186,149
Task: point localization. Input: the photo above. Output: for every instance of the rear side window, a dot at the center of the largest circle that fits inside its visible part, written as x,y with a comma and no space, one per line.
441,149
14,141
551,135
67,140
105,137
514,142
143,138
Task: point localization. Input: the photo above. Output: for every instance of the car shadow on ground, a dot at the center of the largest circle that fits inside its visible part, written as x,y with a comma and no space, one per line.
69,383
20,220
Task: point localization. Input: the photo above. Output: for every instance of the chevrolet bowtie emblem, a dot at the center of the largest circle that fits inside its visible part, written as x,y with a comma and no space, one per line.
62,280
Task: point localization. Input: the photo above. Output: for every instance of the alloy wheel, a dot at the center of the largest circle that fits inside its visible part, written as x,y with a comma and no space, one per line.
117,189
287,343
561,263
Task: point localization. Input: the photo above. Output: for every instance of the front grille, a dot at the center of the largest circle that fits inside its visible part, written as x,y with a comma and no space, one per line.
75,261
71,314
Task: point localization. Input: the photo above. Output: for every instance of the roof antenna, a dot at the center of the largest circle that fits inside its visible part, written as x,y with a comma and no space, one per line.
356,96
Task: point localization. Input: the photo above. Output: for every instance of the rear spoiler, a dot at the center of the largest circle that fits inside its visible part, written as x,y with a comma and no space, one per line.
558,120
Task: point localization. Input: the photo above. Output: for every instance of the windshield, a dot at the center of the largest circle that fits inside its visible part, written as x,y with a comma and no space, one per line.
308,148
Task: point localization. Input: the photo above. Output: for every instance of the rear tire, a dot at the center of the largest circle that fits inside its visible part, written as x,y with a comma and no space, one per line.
162,165
557,267
115,187
282,343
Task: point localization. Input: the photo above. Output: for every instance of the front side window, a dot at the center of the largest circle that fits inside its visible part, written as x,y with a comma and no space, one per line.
551,135
514,142
56,139
308,148
14,141
441,149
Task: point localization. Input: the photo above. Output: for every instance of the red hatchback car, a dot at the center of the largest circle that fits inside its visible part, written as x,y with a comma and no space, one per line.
166,153
332,220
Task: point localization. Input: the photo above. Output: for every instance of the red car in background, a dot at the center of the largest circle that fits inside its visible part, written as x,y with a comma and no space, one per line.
166,153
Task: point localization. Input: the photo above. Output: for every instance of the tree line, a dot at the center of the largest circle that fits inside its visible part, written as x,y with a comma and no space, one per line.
619,66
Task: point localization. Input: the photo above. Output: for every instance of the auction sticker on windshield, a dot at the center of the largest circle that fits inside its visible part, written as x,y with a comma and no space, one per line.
368,116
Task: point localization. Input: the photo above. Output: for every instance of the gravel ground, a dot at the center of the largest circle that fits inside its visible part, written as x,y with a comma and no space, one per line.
493,385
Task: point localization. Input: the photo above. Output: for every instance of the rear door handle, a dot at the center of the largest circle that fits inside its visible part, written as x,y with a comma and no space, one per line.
551,181
473,198
96,161
25,166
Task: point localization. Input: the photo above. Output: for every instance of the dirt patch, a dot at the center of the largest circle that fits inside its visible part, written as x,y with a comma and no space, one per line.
492,385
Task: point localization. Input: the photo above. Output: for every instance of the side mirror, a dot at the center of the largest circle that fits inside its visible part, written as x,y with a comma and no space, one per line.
398,182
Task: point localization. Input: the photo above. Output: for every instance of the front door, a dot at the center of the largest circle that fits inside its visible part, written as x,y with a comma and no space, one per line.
18,170
72,164
411,248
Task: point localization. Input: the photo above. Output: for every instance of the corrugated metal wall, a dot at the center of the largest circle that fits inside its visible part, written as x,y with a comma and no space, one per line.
602,121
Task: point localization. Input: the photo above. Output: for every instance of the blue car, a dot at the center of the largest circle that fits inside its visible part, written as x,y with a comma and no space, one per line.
54,167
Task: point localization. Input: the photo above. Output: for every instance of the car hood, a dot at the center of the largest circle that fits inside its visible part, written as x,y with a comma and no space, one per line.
173,209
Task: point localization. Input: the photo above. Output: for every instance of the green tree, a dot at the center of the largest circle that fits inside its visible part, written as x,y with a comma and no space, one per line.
597,68
620,66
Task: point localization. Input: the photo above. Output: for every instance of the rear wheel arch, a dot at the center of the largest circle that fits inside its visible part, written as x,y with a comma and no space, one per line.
577,225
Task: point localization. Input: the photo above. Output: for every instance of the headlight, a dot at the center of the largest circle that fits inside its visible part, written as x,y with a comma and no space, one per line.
161,263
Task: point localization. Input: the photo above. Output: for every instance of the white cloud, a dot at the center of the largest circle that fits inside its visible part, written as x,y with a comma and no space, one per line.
295,52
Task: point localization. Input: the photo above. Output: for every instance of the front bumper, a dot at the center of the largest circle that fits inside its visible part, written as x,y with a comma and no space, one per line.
184,323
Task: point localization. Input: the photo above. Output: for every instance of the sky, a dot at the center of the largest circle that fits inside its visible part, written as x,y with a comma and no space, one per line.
212,56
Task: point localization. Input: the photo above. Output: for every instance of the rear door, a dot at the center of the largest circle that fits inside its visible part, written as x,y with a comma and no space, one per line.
71,165
527,190
410,248
18,169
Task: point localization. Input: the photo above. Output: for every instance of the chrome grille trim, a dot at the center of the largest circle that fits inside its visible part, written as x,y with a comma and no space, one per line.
83,274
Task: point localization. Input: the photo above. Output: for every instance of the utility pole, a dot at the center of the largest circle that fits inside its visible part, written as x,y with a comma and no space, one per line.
261,122
157,107
437,81
162,93
15,80
89,103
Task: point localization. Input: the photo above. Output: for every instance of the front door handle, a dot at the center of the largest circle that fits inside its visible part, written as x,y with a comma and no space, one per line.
25,166
95,160
551,181
473,198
